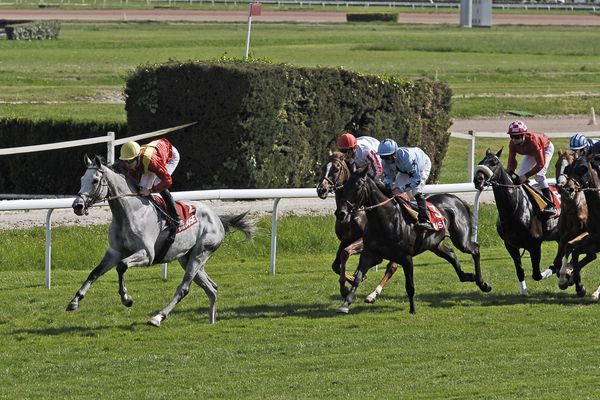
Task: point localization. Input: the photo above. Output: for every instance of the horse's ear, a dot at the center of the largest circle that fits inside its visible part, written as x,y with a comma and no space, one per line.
353,168
330,153
98,161
86,160
363,171
499,153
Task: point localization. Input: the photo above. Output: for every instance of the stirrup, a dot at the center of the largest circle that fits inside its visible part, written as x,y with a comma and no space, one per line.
424,225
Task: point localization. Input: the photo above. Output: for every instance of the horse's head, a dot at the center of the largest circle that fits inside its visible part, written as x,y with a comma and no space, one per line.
334,174
565,158
93,186
354,194
488,170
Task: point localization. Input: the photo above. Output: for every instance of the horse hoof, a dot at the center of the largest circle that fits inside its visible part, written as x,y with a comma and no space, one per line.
581,292
155,321
72,306
128,302
343,310
485,288
371,298
563,285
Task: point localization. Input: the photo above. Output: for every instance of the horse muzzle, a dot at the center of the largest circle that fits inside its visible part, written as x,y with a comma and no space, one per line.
322,192
79,206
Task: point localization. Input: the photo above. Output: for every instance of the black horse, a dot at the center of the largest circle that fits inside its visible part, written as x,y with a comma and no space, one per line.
391,234
518,223
334,175
584,171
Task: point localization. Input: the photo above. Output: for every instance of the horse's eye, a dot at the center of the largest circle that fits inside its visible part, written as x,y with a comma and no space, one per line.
95,181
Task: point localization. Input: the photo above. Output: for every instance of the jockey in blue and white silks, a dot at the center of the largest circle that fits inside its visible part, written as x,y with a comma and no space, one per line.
406,169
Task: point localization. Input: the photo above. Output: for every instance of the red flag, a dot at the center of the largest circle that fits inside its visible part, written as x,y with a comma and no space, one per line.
255,9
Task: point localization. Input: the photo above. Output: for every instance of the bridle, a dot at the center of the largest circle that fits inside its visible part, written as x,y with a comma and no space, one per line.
99,194
342,170
489,174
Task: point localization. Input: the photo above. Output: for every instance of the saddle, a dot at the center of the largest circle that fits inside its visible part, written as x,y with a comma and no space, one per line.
187,213
435,216
540,201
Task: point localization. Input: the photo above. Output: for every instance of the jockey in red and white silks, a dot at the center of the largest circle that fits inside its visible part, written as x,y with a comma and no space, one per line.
362,151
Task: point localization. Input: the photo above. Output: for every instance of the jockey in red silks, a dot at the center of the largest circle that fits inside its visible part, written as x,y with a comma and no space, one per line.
152,166
537,150
362,151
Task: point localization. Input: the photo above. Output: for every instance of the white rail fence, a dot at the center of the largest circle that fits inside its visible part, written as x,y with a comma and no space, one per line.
226,194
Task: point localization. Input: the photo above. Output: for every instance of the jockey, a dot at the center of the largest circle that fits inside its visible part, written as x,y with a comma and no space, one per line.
404,169
537,150
580,144
361,151
152,165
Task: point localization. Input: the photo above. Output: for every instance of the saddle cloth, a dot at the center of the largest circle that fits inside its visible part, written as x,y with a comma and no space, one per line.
435,216
539,200
187,212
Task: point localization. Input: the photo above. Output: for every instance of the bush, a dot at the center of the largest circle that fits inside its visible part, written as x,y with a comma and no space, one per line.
37,30
372,17
264,125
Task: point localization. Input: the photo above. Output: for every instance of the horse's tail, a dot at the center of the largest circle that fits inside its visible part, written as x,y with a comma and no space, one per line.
240,222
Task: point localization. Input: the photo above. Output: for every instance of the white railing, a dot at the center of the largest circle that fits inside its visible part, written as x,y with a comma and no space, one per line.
221,194
228,194
471,135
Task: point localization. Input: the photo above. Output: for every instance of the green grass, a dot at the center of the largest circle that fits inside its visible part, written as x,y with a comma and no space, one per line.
489,70
279,337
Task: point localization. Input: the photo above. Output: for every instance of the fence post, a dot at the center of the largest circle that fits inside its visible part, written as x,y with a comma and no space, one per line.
110,148
471,156
274,235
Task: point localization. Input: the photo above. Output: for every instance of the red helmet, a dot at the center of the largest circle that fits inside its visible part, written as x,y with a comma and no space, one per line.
346,141
517,128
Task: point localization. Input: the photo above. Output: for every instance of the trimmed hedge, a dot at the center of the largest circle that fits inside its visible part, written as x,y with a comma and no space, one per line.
37,30
372,17
262,125
54,172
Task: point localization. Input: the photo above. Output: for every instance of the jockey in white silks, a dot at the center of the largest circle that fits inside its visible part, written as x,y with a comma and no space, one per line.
362,151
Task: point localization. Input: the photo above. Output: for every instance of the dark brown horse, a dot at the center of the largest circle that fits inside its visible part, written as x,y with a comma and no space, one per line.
584,171
389,234
334,174
518,223
572,223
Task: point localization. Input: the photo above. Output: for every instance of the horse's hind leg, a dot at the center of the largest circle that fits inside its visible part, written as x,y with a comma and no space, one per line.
111,257
211,289
389,272
473,249
193,266
448,254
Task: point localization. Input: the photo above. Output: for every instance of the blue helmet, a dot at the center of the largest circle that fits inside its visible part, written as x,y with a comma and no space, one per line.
387,147
578,142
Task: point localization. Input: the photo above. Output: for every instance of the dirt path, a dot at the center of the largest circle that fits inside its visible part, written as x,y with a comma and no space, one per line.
278,16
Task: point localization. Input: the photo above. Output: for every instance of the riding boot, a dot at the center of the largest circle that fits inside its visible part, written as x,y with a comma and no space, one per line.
549,209
171,208
423,219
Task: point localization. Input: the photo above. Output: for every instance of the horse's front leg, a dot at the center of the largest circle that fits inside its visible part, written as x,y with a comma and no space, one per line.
355,247
111,257
514,253
390,270
137,259
367,260
409,283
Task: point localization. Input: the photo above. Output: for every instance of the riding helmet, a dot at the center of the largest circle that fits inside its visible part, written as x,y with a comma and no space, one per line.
517,128
129,151
346,141
578,142
387,147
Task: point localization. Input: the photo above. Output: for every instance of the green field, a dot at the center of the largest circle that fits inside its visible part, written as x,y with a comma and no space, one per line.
489,70
279,337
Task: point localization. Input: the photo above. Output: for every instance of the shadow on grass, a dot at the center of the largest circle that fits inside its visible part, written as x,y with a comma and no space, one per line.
79,330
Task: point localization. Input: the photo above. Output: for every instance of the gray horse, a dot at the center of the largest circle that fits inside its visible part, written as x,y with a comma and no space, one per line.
137,233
